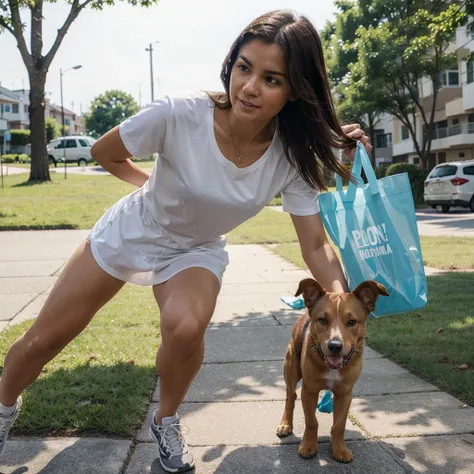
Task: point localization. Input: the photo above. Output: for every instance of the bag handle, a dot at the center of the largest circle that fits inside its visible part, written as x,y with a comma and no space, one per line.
362,159
355,173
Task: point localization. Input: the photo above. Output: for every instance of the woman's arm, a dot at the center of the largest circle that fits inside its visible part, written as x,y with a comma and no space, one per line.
318,254
110,152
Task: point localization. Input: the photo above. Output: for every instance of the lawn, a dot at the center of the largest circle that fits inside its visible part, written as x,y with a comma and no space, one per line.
433,342
102,382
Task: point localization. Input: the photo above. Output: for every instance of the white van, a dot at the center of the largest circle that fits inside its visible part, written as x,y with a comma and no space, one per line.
72,149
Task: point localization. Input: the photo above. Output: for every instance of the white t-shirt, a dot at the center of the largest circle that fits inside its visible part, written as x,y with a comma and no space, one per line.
194,194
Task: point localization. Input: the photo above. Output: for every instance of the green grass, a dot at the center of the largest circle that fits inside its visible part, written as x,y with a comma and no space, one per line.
448,253
412,339
74,203
92,386
267,227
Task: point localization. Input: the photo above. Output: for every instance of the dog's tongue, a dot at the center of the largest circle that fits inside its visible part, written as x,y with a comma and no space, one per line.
334,360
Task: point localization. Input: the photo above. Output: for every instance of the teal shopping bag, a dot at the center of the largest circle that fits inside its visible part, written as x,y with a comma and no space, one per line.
374,227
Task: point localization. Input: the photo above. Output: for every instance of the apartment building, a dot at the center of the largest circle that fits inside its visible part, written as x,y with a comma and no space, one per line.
453,135
14,110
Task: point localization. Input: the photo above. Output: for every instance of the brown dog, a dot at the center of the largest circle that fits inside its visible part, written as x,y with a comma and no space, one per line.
326,352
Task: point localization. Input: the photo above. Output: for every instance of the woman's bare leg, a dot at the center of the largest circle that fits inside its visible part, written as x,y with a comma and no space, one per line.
187,302
81,290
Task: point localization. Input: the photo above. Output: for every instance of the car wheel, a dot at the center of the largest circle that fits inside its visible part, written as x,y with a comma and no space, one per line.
445,208
82,162
52,161
433,206
471,204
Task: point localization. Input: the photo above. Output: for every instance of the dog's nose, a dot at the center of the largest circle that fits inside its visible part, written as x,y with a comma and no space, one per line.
335,346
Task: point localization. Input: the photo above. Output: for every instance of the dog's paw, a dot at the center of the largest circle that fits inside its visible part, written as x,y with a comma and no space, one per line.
308,450
342,454
284,430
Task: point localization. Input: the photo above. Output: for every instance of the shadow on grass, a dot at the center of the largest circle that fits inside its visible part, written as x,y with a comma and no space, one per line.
89,399
29,183
39,227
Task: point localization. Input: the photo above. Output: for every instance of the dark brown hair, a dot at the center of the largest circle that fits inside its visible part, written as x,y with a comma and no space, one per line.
308,125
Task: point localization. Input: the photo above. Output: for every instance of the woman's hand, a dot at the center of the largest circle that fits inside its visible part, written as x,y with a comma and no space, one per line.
354,131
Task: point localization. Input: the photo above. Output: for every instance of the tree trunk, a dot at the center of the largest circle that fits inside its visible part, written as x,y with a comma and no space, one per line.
39,155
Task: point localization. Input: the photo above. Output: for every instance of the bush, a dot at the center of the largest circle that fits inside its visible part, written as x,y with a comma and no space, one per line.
20,137
416,175
53,129
15,158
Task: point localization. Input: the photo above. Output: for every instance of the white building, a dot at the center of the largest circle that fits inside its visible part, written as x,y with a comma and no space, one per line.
453,136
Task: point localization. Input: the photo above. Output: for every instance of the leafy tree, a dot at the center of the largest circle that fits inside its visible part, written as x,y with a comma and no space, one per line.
399,53
341,53
37,63
53,129
108,110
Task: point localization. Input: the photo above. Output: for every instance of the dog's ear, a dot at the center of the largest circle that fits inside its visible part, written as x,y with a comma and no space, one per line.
368,293
311,291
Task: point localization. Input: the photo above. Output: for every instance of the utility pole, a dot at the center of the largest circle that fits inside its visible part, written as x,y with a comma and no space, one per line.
150,50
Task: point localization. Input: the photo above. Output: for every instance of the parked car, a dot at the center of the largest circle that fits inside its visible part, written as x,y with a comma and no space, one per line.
73,149
451,184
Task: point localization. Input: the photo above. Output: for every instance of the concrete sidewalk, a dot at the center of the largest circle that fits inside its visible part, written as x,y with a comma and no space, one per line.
398,423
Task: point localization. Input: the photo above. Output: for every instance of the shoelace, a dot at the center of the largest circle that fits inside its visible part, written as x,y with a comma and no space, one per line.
173,438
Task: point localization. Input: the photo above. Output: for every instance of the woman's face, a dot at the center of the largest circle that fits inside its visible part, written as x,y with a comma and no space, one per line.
259,86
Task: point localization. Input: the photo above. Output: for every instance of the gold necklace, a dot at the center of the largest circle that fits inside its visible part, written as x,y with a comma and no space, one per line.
240,158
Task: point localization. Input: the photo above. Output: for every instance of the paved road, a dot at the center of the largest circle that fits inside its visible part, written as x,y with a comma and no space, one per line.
89,170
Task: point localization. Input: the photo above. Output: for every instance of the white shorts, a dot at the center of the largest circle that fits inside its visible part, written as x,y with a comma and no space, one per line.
128,245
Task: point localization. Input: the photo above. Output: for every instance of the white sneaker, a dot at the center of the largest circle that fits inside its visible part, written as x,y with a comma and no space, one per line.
6,423
173,451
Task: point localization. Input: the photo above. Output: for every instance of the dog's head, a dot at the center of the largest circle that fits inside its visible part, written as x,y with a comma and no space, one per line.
338,319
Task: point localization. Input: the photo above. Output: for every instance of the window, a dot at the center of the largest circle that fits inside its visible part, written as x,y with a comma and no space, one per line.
71,144
405,133
84,143
15,109
67,122
26,109
469,170
445,170
61,145
7,108
455,121
470,71
449,78
453,77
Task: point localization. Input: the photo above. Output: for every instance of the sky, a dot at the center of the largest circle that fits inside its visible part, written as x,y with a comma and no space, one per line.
193,39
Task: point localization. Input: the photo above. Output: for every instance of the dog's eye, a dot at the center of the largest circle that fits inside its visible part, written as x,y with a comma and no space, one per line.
323,321
351,323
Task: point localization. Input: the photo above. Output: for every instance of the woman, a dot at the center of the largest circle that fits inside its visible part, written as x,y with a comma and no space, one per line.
222,158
